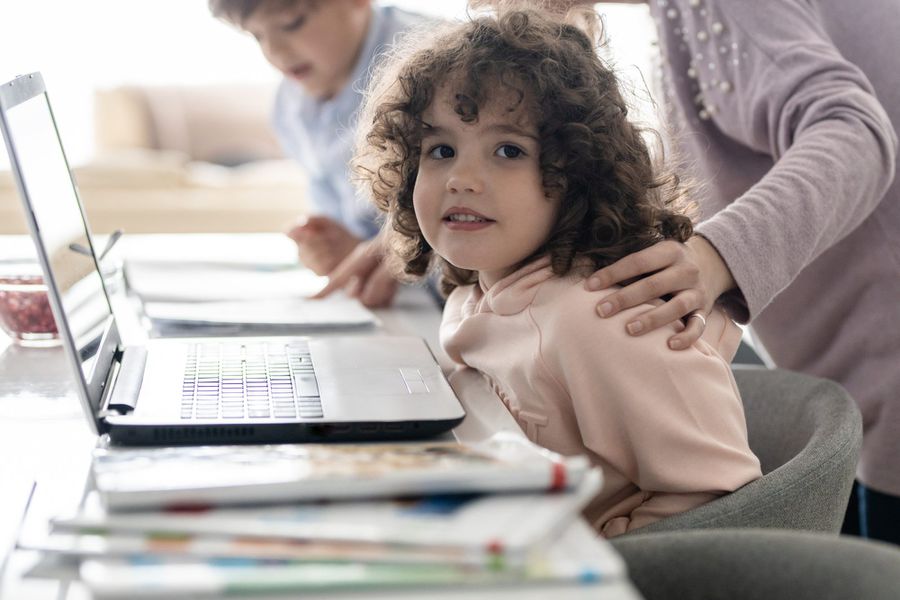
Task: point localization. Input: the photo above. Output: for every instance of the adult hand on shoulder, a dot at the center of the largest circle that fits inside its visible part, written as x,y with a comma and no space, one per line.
693,274
363,275
322,243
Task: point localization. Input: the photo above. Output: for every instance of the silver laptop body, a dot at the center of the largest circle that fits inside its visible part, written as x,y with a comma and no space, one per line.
205,390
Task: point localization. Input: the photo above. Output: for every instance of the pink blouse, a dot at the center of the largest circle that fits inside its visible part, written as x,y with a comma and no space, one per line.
667,428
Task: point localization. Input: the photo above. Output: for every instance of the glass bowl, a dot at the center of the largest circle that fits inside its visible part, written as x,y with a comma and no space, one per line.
25,313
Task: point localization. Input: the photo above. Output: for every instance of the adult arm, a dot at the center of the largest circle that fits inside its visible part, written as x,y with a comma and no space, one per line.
794,98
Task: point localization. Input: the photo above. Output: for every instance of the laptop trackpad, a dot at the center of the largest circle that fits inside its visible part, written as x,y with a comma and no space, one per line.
371,382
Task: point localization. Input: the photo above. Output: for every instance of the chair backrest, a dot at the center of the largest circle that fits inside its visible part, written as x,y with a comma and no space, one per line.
739,564
807,433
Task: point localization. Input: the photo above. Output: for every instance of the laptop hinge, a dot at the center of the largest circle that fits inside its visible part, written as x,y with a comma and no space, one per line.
123,384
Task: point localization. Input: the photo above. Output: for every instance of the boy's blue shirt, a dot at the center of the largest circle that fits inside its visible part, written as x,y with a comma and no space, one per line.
320,134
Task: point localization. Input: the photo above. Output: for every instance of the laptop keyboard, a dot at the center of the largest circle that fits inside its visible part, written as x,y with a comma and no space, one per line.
249,381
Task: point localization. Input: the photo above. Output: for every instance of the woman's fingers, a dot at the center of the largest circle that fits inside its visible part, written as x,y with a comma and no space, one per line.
664,283
692,331
678,307
649,260
691,275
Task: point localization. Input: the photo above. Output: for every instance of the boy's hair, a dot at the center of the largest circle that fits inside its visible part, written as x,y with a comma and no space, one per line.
612,201
237,11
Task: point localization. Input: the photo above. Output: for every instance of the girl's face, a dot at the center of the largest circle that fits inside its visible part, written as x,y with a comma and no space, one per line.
479,197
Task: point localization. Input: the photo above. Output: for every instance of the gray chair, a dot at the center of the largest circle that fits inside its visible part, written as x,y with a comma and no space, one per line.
755,564
807,433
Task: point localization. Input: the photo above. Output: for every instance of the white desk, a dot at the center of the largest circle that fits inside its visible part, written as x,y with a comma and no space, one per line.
44,437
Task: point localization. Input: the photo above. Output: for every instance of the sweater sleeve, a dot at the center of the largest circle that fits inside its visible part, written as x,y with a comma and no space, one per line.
671,422
788,93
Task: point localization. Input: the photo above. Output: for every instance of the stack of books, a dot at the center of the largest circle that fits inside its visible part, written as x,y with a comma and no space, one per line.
208,522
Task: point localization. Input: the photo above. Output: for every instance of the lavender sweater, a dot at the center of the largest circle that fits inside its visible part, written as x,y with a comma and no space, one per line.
784,107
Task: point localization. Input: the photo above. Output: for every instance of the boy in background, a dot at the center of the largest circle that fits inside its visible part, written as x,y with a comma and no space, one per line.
324,50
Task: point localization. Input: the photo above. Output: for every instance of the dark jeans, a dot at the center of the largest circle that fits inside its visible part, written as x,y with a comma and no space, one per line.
872,514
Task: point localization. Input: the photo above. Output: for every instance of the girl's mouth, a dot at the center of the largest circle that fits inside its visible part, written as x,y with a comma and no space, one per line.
461,218
467,220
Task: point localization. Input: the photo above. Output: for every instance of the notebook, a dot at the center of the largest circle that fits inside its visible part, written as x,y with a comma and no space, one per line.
204,390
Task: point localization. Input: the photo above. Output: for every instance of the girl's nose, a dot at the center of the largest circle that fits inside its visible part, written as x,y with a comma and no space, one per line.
465,178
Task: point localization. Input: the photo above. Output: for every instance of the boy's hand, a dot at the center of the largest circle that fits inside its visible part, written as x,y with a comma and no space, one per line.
363,275
322,243
693,273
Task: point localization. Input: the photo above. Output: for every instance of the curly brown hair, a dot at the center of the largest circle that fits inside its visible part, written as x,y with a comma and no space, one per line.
613,201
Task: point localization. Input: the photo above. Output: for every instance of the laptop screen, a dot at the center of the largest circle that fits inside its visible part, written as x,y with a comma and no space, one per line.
44,174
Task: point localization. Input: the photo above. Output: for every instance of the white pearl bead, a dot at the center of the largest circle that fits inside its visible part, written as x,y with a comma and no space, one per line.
725,86
718,28
704,115
694,3
692,73
672,13
702,36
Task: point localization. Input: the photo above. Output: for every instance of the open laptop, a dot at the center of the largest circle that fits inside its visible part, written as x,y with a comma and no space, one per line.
206,390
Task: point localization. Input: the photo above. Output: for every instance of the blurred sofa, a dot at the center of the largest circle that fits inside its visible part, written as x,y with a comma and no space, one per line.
181,159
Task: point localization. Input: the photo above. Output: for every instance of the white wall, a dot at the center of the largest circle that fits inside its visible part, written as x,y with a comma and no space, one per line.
80,45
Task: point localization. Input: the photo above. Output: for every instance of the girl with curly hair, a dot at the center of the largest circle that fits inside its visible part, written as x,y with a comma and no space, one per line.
500,151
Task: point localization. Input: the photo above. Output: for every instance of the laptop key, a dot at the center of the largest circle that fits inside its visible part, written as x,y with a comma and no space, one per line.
306,385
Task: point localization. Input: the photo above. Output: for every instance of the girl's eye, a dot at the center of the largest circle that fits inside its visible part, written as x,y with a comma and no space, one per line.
509,151
441,151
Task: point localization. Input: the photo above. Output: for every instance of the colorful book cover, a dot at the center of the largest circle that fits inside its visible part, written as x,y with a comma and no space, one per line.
487,525
222,475
577,557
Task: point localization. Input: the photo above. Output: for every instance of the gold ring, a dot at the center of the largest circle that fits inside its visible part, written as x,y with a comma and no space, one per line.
698,316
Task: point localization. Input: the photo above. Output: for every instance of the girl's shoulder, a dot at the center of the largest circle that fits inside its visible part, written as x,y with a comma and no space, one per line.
564,305
569,291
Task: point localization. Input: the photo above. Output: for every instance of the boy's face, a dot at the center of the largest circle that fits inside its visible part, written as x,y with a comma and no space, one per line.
479,196
314,42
